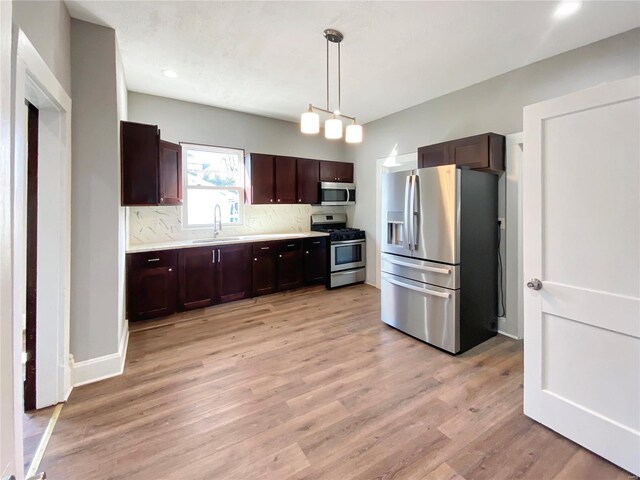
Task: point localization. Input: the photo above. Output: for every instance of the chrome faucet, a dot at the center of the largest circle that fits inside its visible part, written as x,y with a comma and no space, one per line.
217,221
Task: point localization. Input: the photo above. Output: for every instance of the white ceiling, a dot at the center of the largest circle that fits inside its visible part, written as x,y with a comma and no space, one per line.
268,57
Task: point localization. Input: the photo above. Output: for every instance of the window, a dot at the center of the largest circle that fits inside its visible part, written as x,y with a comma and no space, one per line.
213,176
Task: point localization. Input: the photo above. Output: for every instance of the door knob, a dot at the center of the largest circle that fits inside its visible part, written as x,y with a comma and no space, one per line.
534,284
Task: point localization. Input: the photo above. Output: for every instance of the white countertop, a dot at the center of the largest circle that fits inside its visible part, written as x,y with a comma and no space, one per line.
267,237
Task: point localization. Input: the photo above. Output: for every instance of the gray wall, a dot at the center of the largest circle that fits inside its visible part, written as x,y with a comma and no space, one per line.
494,105
48,26
97,218
190,122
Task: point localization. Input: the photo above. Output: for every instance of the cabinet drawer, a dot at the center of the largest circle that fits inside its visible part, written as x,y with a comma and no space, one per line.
314,243
265,247
163,258
289,245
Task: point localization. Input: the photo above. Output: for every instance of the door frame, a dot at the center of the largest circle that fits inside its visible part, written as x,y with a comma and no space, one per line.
35,82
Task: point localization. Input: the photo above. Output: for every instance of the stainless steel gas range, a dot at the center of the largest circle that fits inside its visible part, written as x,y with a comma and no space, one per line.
347,254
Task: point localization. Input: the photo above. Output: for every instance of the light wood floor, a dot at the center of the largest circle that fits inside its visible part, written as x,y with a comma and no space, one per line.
307,385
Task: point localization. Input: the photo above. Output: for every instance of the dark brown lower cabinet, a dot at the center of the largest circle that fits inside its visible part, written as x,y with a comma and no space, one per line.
289,265
315,260
233,272
152,284
264,268
196,277
159,283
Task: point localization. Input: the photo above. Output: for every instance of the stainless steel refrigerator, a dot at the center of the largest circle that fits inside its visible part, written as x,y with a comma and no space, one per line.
440,255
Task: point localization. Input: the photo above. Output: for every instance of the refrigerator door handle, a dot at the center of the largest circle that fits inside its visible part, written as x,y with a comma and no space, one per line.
444,271
415,212
417,289
407,224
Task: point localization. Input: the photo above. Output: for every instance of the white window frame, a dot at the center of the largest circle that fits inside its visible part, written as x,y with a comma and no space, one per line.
186,187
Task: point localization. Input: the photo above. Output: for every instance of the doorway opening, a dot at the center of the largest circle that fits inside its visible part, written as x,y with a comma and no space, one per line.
29,327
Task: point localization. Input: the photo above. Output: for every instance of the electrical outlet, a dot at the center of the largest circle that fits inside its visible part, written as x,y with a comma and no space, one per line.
502,223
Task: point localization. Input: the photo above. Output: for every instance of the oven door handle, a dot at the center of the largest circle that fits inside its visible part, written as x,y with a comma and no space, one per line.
416,289
348,242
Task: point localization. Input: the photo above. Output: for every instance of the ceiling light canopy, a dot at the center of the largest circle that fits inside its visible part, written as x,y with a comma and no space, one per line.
566,8
169,73
310,120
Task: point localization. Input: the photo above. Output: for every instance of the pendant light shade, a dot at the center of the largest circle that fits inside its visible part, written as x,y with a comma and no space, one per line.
333,128
310,122
353,133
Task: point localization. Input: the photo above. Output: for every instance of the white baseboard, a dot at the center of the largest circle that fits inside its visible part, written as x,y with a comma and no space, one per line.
508,335
101,368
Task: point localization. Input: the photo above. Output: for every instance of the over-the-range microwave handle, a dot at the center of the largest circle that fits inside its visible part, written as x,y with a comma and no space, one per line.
348,194
418,267
426,291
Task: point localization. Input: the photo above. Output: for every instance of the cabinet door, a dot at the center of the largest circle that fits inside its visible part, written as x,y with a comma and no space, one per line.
308,176
328,171
471,152
290,265
285,179
434,155
315,260
264,268
170,173
152,289
139,149
344,172
261,179
233,272
196,277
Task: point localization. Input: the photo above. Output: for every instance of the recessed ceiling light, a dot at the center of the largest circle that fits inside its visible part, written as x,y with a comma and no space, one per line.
169,73
566,8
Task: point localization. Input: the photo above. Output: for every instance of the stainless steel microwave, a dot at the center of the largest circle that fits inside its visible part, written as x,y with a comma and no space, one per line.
337,193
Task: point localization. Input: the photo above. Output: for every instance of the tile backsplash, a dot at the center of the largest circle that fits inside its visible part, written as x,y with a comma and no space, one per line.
164,224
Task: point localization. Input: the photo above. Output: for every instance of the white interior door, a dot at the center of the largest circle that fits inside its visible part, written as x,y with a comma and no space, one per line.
581,239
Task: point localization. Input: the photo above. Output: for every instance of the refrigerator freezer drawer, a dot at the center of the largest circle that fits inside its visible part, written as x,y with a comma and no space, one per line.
447,276
427,312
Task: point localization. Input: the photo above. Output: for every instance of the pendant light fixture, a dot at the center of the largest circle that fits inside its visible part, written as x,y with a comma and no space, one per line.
310,120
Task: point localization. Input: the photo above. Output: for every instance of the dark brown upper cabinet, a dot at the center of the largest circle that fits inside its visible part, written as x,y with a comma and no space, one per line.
308,177
479,152
151,168
170,173
233,272
285,179
434,155
336,171
260,178
152,289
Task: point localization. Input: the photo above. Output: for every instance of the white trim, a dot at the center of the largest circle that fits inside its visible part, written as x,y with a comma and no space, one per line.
35,81
101,368
508,335
44,441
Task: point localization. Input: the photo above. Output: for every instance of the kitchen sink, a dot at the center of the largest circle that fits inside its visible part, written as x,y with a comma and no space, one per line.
215,240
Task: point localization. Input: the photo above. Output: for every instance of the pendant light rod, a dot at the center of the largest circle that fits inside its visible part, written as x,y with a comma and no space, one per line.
327,72
330,112
339,96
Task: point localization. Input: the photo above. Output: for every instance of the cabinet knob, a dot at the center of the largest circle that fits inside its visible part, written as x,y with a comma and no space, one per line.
171,269
307,252
271,200
279,256
278,199
162,199
255,259
300,200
